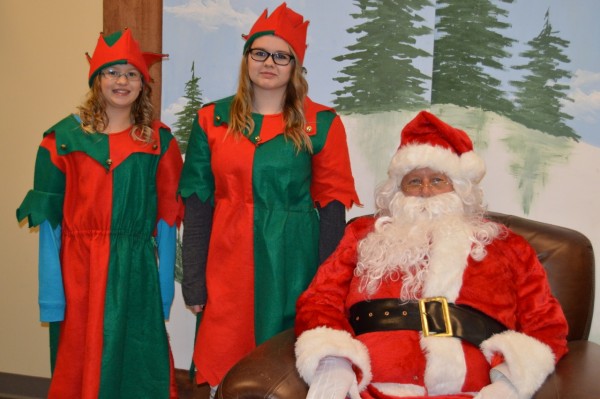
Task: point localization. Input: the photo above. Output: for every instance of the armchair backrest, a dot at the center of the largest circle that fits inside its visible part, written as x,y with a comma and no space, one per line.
568,258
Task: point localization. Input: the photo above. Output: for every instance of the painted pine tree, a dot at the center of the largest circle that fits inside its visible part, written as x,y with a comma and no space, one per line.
468,47
183,125
541,94
181,130
381,75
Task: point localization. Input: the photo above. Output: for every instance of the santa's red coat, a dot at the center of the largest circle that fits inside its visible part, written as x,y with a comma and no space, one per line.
509,284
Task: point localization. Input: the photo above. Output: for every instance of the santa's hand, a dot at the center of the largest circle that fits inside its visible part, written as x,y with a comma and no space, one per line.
499,389
334,379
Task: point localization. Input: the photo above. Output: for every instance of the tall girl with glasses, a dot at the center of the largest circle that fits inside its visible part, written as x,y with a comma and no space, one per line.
105,200
266,182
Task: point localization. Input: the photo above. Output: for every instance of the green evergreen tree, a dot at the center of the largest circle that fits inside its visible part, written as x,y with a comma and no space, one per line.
381,75
468,46
540,95
182,127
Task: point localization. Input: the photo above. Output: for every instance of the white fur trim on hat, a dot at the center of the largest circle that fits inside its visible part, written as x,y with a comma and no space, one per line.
469,165
313,345
529,360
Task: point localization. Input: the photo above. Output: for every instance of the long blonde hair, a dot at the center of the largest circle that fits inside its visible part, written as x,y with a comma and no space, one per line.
94,118
241,121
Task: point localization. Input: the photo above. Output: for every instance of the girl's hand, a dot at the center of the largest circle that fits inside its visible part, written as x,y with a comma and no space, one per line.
195,309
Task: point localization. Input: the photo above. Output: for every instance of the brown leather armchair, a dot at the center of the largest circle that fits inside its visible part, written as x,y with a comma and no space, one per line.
567,255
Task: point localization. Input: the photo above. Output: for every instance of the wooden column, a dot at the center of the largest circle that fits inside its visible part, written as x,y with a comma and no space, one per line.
144,18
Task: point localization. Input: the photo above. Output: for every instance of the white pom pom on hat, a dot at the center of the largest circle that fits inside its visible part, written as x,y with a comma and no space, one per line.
428,142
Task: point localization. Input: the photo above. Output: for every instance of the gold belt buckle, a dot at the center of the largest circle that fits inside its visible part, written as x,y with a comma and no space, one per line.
446,313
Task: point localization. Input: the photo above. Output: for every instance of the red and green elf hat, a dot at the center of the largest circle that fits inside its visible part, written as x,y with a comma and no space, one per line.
121,48
285,23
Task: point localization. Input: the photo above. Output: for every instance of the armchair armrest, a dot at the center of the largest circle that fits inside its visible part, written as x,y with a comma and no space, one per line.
576,374
270,372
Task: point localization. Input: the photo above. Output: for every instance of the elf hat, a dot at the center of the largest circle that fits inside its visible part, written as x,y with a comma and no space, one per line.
120,48
428,142
285,23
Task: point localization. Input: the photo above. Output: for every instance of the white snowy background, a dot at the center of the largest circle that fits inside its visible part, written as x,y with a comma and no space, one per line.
208,34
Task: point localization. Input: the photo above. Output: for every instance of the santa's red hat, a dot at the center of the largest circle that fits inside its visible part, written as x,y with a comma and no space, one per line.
120,48
285,23
428,142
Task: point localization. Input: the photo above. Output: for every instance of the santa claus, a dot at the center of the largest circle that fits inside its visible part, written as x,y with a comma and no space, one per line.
428,298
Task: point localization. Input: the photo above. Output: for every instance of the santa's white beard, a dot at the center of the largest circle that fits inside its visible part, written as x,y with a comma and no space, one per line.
400,246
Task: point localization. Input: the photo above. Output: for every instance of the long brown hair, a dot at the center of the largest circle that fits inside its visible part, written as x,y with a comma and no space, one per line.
293,106
94,118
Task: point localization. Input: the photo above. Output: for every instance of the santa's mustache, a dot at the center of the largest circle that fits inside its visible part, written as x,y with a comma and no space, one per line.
411,208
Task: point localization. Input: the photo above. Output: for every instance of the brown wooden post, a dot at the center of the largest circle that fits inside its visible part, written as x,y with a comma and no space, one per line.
144,18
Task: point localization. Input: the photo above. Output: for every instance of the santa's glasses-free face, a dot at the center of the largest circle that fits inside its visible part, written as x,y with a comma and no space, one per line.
260,55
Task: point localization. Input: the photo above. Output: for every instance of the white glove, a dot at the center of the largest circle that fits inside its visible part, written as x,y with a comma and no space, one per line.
499,389
334,379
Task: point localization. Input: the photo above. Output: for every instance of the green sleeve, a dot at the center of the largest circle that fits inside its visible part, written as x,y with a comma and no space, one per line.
45,201
197,177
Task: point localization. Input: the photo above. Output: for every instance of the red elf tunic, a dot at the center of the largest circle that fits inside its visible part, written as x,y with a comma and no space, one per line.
108,192
263,248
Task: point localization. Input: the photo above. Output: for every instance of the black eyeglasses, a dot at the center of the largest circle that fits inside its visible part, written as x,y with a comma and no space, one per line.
260,55
113,75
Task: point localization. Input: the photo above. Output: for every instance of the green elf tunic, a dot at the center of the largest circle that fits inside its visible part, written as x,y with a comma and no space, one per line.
263,249
108,195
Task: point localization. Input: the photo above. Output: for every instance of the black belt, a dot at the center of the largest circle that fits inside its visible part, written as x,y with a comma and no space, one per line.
433,316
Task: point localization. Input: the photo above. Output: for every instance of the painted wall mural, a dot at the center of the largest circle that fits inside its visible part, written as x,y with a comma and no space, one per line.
521,77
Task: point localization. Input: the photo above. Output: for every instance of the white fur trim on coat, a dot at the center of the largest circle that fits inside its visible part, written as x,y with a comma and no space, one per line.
529,360
446,368
313,345
468,166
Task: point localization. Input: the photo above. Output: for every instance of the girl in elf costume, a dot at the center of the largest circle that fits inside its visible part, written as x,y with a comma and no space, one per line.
266,181
105,200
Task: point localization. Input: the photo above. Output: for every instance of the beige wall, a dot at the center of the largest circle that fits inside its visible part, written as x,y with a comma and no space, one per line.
43,76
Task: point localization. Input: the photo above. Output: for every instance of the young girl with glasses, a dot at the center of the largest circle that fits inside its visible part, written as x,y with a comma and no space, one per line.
105,200
266,181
